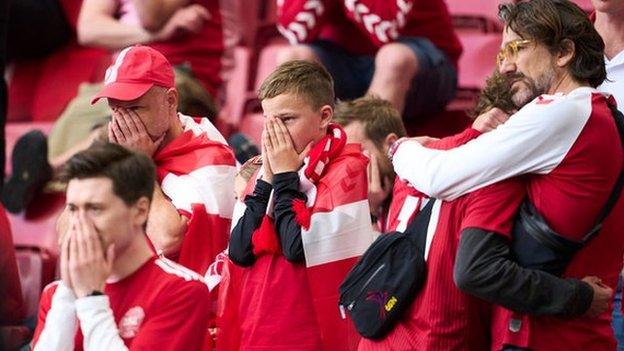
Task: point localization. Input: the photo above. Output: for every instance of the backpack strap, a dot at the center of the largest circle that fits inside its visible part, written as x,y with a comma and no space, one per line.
617,189
417,229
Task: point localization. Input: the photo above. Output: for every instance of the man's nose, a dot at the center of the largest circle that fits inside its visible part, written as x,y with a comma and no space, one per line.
507,66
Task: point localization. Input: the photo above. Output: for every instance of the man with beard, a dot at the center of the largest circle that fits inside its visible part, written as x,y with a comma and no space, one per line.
566,141
376,125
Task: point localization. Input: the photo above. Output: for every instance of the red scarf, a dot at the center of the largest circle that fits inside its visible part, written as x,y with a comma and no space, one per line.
264,239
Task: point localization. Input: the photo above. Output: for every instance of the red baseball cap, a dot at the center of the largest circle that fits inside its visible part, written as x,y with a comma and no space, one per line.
136,69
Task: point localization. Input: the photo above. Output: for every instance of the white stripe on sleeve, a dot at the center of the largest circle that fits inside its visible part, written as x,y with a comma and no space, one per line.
534,140
97,324
60,324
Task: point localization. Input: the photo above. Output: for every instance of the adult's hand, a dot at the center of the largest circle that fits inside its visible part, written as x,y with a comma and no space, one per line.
127,130
603,295
379,187
490,120
189,19
89,263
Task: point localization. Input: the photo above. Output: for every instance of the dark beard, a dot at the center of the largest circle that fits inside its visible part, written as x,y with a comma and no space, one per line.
499,93
530,84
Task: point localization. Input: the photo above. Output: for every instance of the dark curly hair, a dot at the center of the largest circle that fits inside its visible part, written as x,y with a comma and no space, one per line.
554,24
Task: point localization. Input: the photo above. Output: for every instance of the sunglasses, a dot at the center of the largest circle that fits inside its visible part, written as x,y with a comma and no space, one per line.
510,50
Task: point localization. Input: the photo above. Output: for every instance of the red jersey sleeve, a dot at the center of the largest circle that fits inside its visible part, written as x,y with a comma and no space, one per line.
180,321
300,21
454,140
494,207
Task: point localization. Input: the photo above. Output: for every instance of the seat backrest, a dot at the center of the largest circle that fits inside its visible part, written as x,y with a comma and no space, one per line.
267,60
481,14
30,266
478,59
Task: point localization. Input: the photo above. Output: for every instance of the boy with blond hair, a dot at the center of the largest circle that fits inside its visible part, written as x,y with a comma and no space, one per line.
303,219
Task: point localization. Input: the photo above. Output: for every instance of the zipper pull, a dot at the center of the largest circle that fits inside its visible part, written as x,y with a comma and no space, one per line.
342,312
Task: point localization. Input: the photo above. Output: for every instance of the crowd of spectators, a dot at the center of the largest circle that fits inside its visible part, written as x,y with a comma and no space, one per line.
173,238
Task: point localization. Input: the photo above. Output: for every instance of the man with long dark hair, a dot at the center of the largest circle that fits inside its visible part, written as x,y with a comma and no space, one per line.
566,141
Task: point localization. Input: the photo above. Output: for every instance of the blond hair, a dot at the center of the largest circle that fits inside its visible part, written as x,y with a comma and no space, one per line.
307,79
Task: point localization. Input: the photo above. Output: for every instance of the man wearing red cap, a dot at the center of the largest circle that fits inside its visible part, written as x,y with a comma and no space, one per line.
193,200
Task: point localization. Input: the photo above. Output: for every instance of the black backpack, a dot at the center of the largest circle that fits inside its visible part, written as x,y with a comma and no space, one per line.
384,282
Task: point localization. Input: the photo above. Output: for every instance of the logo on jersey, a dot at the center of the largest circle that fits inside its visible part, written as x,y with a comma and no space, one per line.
131,322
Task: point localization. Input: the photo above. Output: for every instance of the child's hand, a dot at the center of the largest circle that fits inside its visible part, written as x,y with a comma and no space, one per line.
267,176
280,150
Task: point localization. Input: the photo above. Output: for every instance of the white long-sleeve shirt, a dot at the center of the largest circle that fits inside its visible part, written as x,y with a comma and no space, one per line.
534,140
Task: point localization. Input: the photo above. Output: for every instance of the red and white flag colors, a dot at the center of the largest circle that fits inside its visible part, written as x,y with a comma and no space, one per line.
196,171
335,232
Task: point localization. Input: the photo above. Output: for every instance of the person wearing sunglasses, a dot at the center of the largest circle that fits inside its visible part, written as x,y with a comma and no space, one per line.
565,143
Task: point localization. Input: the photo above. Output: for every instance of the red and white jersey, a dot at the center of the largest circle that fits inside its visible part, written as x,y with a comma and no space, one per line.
208,52
407,201
571,148
286,306
161,306
363,26
196,171
442,317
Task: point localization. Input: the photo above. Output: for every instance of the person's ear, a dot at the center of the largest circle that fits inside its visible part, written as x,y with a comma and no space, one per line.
566,53
389,140
140,211
172,100
327,113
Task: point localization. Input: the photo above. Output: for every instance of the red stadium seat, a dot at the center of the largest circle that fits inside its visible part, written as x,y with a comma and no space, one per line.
267,60
482,14
34,234
236,86
40,90
478,59
37,268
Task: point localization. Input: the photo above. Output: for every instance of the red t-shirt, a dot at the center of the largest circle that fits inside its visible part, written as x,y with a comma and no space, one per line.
442,317
173,301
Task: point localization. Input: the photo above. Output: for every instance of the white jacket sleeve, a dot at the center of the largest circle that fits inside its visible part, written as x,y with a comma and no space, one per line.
534,140
60,324
98,324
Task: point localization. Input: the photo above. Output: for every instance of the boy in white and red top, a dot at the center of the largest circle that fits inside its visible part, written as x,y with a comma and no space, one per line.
114,293
567,144
194,197
197,33
304,221
403,51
